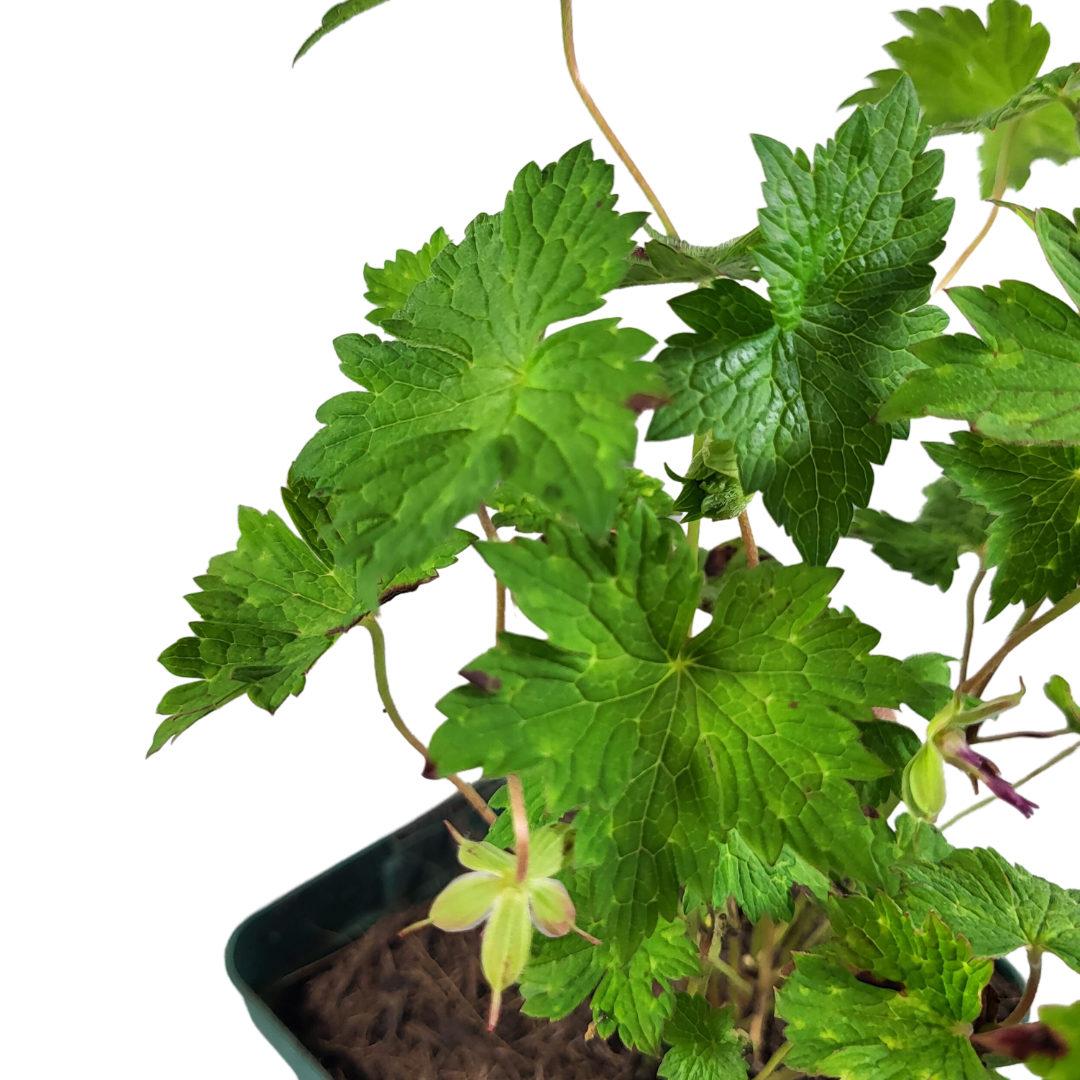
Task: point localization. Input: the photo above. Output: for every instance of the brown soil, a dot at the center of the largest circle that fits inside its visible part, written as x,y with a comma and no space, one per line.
415,1008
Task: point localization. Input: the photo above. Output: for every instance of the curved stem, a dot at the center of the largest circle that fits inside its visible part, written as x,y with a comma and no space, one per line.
979,688
969,634
1019,784
1001,181
977,683
749,543
378,646
521,825
605,127
1023,1007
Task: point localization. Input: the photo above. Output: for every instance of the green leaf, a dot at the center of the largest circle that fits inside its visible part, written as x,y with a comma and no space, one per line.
1020,383
1060,242
759,887
530,514
885,1000
664,743
667,260
338,14
715,565
389,287
894,744
1058,87
1064,1022
1035,490
795,382
998,907
473,392
269,610
928,548
1060,693
633,997
1048,134
930,671
702,1043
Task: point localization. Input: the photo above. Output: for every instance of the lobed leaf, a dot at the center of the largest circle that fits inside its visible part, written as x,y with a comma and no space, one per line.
795,382
663,743
886,1000
997,906
1035,492
390,285
928,548
270,609
473,392
702,1043
665,260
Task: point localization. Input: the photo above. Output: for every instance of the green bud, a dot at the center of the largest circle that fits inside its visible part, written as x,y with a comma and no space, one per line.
923,783
1060,693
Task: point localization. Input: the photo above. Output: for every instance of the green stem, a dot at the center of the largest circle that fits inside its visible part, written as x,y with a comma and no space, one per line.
500,589
601,123
1023,1007
1019,784
1022,735
978,682
378,647
969,634
1001,181
775,1061
693,528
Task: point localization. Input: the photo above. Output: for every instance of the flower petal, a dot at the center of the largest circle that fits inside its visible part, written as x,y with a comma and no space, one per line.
552,909
504,951
466,901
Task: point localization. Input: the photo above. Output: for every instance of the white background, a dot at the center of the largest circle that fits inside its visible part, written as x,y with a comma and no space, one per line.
185,222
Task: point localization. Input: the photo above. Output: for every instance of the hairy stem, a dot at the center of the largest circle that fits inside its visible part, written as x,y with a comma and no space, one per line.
1023,1006
978,682
969,634
1019,784
693,528
1001,179
749,543
521,825
378,647
605,127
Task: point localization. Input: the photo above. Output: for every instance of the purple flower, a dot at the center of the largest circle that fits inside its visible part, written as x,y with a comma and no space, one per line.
957,752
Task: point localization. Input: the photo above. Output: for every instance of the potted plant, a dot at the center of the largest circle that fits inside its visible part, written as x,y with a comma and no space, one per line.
704,854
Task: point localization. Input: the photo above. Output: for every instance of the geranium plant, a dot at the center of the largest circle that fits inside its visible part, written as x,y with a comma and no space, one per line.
724,839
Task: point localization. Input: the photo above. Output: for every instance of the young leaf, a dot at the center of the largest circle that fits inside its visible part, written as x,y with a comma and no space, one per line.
473,392
1035,491
975,77
665,260
389,287
711,487
335,17
1019,384
998,907
531,514
795,381
702,1043
663,742
928,548
759,887
1060,694
269,610
886,1000
632,996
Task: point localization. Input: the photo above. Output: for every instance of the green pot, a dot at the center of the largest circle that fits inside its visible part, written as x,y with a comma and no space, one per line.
270,952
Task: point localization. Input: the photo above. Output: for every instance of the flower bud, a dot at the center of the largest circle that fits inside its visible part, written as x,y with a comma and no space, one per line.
923,783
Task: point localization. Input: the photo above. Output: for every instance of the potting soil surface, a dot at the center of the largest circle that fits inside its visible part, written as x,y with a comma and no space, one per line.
415,1008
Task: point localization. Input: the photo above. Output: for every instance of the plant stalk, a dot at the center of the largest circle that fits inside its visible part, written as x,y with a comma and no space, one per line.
500,589
1001,181
1023,1006
378,648
1021,735
601,123
978,682
521,825
1019,784
774,1062
969,634
749,543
